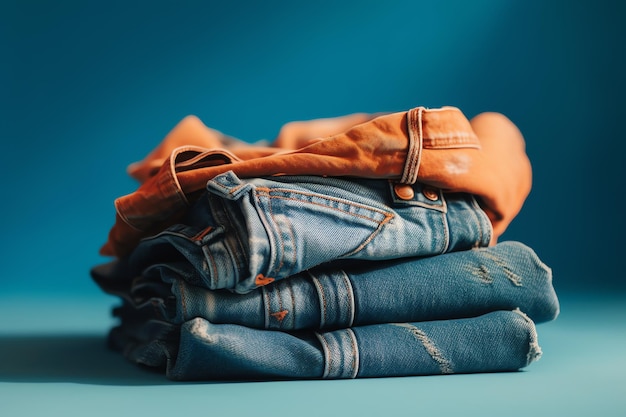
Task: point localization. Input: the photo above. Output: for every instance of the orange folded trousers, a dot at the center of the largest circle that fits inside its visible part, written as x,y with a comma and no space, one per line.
438,147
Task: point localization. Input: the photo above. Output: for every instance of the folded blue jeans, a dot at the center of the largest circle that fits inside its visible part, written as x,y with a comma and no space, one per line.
498,341
245,233
460,284
169,323
200,350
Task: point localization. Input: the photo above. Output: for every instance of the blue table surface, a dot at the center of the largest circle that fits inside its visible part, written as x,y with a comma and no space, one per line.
53,361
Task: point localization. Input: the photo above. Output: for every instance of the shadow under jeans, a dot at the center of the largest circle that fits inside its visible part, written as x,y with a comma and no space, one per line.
77,358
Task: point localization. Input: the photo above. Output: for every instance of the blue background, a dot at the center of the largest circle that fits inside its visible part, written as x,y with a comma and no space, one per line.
88,87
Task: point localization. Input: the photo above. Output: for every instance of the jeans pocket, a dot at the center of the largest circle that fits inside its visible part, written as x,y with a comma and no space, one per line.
292,226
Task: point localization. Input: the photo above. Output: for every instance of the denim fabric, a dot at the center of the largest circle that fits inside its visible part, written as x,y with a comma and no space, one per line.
453,307
245,272
454,285
497,341
243,234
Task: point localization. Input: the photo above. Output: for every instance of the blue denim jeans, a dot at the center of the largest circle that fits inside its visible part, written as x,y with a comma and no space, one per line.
456,307
498,341
453,285
243,234
200,350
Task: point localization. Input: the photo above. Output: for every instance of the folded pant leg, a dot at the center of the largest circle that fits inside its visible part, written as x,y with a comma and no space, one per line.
246,233
498,341
454,285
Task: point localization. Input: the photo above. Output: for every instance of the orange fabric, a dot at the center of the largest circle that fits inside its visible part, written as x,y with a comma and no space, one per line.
439,147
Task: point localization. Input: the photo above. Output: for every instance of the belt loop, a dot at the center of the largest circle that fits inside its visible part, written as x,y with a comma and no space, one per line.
414,153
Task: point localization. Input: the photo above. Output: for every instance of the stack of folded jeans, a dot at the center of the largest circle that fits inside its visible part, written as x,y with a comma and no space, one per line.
367,272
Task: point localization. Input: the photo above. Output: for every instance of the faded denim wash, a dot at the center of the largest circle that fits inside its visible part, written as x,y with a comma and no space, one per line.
368,308
454,285
499,341
243,234
201,350
228,268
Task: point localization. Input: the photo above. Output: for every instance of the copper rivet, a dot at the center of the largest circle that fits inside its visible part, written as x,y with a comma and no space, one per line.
430,193
404,191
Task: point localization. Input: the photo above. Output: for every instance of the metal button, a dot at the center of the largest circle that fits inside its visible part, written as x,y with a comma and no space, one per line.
404,191
430,193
